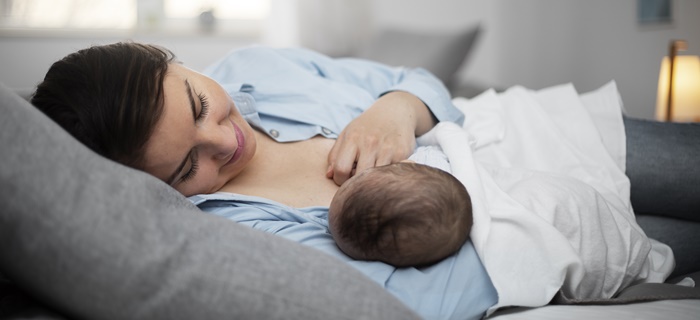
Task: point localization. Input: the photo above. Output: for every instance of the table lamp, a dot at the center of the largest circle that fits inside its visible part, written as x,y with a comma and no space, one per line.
678,97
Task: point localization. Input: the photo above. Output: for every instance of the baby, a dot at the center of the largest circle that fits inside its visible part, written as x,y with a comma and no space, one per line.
404,214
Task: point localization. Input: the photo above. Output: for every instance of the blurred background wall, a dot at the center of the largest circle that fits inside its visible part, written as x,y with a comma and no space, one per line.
534,43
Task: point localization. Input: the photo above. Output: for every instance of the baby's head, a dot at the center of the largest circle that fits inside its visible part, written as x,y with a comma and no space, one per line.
404,214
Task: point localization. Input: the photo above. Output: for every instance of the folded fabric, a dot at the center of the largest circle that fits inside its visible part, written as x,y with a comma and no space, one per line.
552,216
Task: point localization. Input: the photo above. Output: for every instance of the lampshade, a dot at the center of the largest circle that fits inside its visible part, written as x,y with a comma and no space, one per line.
686,89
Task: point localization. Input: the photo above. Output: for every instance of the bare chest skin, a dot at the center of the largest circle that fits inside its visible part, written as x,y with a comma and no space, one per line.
290,173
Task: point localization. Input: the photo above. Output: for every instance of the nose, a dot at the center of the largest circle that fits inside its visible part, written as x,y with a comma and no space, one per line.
218,141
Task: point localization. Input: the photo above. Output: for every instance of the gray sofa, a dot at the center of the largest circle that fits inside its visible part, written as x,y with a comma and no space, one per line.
84,237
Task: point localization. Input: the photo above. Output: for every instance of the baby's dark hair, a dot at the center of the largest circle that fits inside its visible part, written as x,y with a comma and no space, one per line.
108,97
405,214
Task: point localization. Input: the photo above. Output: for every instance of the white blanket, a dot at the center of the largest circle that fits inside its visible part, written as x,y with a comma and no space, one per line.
545,170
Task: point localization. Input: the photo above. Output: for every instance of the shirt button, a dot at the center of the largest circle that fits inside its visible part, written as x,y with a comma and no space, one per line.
326,130
274,133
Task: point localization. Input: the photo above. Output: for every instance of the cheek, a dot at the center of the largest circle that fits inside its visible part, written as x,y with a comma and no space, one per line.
204,183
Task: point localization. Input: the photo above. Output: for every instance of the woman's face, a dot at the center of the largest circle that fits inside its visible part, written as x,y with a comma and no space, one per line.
201,140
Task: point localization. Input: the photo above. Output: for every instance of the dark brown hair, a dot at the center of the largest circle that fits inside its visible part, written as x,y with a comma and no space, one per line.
404,214
108,97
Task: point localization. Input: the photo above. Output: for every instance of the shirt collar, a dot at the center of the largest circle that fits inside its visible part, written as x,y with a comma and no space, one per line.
246,105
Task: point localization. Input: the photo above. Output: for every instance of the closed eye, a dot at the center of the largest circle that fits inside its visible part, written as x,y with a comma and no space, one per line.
204,111
193,168
198,117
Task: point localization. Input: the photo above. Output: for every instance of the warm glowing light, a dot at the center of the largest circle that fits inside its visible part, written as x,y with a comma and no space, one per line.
686,89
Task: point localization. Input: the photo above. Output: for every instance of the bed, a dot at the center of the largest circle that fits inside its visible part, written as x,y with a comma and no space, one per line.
83,237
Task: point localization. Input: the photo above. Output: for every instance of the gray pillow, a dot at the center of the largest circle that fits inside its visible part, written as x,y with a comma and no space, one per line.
682,236
92,239
662,164
441,53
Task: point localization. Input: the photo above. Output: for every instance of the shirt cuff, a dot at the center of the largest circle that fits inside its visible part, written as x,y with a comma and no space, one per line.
432,92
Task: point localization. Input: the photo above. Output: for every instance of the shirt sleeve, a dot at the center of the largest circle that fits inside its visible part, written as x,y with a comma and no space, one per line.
379,79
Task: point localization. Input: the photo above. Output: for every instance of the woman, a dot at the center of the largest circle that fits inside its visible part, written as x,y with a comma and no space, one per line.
265,138
135,104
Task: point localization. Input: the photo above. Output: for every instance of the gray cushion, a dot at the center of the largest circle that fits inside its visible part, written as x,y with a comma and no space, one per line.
92,239
15,304
681,235
440,53
663,166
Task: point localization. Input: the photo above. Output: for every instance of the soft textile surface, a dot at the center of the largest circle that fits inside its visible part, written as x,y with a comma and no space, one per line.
441,53
681,235
457,287
639,301
545,171
666,178
92,239
666,309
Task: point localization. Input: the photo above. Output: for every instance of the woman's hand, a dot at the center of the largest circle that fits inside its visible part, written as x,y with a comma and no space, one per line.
384,134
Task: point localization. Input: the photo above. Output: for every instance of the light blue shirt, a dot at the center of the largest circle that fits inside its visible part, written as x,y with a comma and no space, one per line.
295,94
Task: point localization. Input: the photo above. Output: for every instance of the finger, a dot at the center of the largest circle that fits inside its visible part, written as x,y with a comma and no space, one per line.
344,164
365,161
383,159
329,171
333,156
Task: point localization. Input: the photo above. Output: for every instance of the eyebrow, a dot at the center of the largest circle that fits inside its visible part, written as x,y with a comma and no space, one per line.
193,107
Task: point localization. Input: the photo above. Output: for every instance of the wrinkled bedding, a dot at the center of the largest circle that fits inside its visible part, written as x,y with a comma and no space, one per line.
552,216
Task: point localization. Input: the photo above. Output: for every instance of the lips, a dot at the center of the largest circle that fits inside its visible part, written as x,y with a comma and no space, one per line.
240,138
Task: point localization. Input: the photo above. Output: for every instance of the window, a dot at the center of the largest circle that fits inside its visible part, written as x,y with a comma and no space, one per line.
222,9
69,14
233,16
